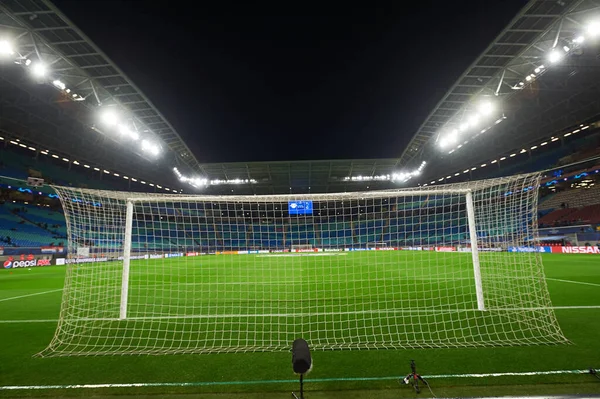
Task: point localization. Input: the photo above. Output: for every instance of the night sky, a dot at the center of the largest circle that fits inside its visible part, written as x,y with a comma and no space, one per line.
261,83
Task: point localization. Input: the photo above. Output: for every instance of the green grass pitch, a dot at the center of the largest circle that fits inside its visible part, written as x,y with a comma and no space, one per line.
30,304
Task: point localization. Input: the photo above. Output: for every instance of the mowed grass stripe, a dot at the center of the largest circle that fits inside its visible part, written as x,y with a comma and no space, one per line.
25,339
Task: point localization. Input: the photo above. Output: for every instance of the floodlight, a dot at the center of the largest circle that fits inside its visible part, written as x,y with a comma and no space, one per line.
593,28
443,142
566,48
486,107
554,56
528,78
150,147
537,70
579,39
463,126
453,136
39,70
58,84
473,120
6,48
126,131
109,117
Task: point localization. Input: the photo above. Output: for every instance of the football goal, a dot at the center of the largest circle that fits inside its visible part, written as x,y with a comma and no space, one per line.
166,274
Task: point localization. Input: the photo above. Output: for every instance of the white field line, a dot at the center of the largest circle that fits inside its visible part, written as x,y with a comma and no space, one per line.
304,254
573,282
338,379
357,312
25,296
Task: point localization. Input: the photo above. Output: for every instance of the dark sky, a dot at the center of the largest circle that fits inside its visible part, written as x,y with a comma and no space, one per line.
261,83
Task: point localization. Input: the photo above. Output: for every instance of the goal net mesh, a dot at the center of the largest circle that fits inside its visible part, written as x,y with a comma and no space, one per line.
227,273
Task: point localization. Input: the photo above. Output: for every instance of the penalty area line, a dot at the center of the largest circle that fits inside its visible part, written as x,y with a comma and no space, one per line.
287,381
573,282
25,296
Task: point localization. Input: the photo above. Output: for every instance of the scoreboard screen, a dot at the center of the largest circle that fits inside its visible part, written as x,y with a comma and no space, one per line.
300,207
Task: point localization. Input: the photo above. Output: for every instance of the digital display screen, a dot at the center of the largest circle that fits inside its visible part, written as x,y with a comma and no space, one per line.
300,207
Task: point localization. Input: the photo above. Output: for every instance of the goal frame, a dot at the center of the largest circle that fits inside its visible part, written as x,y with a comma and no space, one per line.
468,193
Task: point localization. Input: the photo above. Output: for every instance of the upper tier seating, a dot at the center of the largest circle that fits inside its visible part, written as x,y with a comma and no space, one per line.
573,198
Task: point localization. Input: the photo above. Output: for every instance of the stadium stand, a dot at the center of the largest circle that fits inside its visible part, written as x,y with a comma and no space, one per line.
573,198
21,229
18,164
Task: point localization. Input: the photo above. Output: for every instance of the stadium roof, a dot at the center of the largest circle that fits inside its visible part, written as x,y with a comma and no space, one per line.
41,31
542,75
301,176
532,99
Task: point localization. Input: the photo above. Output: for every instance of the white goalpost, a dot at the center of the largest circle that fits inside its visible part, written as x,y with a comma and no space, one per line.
166,274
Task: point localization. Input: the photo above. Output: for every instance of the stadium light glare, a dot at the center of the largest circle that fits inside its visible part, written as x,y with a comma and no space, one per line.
473,120
537,70
494,161
463,127
126,131
555,56
528,78
486,107
457,174
58,84
593,28
97,169
579,39
132,179
107,172
566,48
534,147
544,143
503,158
109,117
86,166
513,155
39,70
55,156
6,48
443,142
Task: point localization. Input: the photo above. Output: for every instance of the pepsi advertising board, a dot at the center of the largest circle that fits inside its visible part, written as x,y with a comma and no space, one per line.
300,207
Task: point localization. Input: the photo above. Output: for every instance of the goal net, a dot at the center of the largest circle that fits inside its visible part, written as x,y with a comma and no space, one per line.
167,274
